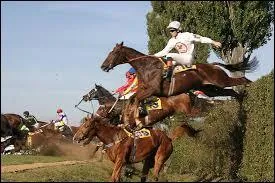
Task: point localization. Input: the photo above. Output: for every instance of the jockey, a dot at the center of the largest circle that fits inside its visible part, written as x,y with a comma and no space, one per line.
130,88
61,121
183,42
32,121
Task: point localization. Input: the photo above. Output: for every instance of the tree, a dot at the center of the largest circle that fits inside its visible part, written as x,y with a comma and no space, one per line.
241,26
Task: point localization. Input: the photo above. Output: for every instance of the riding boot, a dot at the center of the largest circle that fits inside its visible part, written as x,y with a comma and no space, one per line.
142,111
169,71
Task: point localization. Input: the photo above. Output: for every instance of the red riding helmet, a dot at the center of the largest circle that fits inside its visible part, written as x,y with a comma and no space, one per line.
59,110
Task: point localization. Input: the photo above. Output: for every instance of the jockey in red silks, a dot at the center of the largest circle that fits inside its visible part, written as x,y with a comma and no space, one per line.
130,88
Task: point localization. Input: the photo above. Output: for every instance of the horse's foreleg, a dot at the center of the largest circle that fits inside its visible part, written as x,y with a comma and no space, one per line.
136,112
163,153
146,167
117,170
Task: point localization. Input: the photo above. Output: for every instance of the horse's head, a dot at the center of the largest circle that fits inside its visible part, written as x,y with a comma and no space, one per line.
114,58
91,95
87,129
99,93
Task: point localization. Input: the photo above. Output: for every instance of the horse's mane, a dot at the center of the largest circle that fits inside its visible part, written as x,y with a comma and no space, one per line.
106,122
104,92
132,49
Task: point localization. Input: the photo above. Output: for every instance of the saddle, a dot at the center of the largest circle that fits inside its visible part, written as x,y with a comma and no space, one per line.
175,68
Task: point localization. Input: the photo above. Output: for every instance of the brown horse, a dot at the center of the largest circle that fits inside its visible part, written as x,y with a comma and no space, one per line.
150,69
15,121
6,129
47,133
170,105
122,149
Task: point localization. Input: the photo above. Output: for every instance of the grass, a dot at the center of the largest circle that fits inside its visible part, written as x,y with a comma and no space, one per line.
91,172
83,172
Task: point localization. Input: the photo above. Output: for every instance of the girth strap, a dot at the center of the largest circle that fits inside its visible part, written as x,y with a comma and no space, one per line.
172,85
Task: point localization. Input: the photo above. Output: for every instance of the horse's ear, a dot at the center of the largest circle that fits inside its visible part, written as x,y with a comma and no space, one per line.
95,85
121,44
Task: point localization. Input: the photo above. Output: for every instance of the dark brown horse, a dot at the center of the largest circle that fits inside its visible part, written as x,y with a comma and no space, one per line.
170,105
104,97
6,129
122,149
150,69
15,121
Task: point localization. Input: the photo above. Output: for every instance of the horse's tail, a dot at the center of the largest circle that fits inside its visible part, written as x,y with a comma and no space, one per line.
248,66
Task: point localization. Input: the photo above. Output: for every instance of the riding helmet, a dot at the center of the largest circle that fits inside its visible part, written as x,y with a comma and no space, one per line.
26,113
132,70
174,25
59,110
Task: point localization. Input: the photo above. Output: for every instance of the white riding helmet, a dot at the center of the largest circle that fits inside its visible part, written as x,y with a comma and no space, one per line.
174,24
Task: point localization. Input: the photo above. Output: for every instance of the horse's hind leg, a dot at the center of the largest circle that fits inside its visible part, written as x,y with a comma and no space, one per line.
226,81
237,81
213,91
148,163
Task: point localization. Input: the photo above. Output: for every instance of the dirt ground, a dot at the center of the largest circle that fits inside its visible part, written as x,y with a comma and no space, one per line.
78,154
22,167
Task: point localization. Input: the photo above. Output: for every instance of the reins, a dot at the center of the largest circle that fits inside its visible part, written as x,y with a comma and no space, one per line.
113,105
76,106
130,60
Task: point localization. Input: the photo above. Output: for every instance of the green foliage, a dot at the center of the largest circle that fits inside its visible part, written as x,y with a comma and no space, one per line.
211,152
245,25
258,156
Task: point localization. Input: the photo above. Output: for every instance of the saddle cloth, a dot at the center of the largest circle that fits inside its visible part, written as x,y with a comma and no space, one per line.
153,104
142,133
181,68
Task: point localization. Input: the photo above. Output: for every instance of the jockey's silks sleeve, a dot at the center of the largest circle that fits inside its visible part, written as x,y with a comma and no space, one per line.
132,87
184,43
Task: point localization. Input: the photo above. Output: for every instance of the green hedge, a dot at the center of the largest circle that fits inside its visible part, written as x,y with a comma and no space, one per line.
236,141
211,154
258,155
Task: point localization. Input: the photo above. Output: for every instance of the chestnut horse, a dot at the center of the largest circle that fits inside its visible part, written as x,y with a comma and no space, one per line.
123,149
47,133
170,105
150,69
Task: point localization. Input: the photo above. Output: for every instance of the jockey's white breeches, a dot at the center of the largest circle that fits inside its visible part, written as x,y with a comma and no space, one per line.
183,59
59,125
24,128
127,96
36,125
